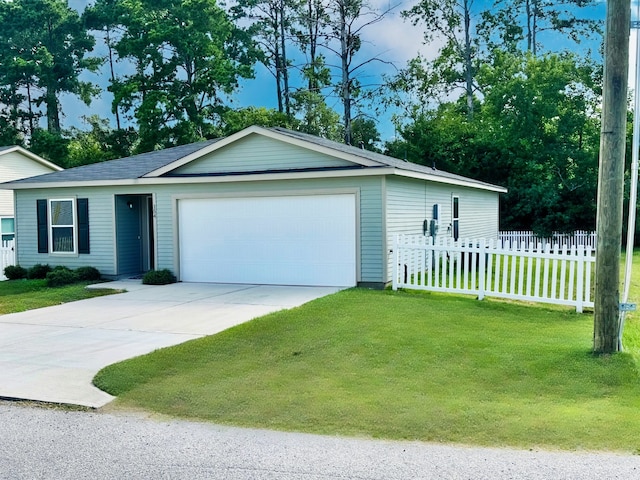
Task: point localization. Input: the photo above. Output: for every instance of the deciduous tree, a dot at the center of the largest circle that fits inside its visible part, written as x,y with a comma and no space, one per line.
44,51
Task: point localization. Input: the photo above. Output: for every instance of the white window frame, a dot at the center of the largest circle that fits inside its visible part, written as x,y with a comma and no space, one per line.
455,228
3,233
73,226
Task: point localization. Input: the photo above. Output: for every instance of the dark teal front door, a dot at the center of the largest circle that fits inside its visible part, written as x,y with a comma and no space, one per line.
133,234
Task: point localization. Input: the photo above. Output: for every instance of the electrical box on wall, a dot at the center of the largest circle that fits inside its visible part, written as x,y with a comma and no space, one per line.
430,227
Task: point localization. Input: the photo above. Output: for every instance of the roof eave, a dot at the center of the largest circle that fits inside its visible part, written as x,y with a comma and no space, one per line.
367,172
451,181
32,156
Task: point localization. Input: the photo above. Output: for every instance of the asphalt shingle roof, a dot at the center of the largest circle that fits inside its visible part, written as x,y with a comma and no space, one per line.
384,160
138,166
121,169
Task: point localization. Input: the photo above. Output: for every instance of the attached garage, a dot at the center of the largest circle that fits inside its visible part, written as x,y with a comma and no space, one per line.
279,240
262,206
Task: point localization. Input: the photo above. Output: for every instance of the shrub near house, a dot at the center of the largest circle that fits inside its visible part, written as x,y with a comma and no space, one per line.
56,277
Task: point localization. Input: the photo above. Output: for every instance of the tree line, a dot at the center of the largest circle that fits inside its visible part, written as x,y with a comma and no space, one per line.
506,98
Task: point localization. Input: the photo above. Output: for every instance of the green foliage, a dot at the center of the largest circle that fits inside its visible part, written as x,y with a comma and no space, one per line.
159,277
38,271
43,48
520,23
236,120
52,146
186,56
364,133
98,144
316,117
61,276
535,131
271,22
88,274
15,272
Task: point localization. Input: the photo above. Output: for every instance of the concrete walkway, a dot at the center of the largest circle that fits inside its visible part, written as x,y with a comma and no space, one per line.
52,354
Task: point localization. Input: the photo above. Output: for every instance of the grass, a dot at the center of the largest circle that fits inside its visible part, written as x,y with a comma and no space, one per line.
397,365
400,365
22,295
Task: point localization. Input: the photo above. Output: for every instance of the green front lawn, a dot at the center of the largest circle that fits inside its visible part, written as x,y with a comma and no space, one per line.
400,365
21,295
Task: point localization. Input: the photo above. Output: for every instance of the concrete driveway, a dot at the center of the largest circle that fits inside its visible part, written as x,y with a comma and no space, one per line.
52,354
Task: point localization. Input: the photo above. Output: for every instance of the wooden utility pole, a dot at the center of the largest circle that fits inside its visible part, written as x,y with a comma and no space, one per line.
611,177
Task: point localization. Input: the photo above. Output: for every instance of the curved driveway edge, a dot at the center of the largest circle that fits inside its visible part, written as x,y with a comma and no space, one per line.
52,354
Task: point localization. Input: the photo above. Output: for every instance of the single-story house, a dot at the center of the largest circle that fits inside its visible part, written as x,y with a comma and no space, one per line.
16,163
262,206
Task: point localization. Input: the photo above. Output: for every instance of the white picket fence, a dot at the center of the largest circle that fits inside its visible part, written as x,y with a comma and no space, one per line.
7,256
558,275
527,240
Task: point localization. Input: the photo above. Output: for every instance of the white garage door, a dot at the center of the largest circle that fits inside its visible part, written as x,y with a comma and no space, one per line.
286,240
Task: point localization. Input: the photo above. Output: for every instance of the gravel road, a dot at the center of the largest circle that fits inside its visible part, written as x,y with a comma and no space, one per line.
44,443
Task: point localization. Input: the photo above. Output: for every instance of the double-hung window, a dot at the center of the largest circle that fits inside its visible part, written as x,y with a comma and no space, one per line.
63,225
7,229
62,228
456,217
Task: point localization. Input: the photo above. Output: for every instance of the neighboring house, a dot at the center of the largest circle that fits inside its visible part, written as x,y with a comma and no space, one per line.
262,206
16,163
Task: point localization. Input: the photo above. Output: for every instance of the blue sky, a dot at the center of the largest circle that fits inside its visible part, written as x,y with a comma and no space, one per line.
392,39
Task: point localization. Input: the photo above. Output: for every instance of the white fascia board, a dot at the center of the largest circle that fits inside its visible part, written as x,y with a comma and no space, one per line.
205,179
265,133
368,172
451,181
32,156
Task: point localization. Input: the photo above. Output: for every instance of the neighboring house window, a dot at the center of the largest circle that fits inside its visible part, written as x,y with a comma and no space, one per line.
63,225
7,229
456,218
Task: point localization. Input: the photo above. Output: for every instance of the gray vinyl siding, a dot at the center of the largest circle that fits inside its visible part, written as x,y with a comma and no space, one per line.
258,153
14,166
102,227
410,202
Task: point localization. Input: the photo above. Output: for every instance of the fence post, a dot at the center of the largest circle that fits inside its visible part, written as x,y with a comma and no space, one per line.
580,282
482,273
396,259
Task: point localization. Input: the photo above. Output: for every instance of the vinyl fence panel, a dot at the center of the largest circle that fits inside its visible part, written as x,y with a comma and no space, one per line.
539,273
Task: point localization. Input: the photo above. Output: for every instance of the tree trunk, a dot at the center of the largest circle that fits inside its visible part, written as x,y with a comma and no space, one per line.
113,77
611,177
312,24
283,52
53,115
29,103
467,59
529,11
346,87
534,27
278,62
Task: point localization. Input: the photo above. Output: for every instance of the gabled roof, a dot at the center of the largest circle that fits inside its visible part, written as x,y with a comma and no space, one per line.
30,155
159,166
121,169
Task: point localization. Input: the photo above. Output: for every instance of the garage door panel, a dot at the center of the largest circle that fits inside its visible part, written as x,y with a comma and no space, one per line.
294,240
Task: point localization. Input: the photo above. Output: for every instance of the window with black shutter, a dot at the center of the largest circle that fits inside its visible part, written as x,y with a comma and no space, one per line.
63,225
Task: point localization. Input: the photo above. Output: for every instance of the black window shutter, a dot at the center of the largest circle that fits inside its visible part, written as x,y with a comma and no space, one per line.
83,225
43,228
